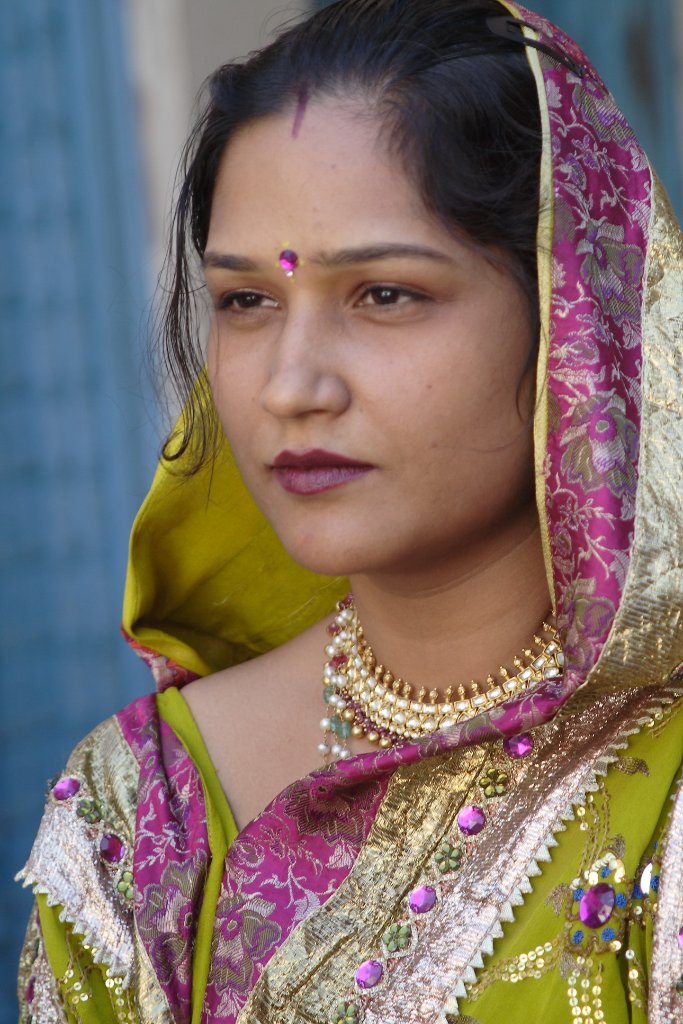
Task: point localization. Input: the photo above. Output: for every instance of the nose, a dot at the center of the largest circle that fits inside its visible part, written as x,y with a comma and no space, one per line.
307,370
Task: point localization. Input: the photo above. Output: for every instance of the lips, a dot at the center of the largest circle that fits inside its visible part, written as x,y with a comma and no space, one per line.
314,470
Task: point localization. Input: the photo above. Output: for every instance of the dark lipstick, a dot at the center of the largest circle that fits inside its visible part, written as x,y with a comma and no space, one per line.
314,470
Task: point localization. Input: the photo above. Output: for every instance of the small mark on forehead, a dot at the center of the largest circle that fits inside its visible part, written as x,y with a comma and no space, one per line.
300,112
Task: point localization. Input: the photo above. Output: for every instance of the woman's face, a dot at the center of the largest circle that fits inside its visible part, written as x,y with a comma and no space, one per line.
392,346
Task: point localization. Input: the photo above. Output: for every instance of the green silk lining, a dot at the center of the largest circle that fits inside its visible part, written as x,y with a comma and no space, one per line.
64,951
221,828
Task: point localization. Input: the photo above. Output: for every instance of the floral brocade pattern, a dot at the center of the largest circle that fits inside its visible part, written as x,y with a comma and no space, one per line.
282,867
601,209
171,850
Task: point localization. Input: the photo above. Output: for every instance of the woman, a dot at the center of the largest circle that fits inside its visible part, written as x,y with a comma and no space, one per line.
445,354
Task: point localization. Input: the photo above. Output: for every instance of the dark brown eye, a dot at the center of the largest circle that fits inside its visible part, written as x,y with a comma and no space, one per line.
244,301
385,296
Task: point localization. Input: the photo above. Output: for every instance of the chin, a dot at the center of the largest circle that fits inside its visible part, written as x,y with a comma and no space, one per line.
329,557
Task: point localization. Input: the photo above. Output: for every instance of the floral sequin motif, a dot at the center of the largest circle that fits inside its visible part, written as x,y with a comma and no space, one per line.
90,809
598,906
125,885
494,782
448,857
346,1013
397,937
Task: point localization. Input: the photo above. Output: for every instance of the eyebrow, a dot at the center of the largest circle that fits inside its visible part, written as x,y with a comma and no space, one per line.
380,251
339,258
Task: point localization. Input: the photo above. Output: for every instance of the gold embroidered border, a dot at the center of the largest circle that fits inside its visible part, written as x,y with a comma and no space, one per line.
568,759
646,641
306,977
64,864
544,260
315,968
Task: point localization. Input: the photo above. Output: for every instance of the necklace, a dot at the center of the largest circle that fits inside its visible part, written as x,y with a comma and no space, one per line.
363,697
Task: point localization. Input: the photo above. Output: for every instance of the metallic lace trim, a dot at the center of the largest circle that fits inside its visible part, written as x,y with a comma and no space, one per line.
64,863
647,635
65,866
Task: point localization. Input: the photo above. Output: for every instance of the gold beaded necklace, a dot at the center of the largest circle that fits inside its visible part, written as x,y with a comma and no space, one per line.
363,697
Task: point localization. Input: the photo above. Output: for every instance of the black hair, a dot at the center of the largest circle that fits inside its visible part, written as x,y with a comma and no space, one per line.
458,106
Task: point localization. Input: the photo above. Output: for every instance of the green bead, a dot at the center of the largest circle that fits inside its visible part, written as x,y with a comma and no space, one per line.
494,782
448,858
335,724
345,1014
397,937
679,986
328,693
344,729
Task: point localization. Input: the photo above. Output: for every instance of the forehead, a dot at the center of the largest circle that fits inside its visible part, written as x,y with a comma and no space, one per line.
319,168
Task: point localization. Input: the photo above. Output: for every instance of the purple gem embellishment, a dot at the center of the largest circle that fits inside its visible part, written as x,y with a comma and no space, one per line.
369,974
518,746
112,849
597,905
422,899
471,820
289,261
65,788
680,938
30,992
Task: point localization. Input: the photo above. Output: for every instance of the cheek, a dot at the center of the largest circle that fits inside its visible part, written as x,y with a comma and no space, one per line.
470,435
233,379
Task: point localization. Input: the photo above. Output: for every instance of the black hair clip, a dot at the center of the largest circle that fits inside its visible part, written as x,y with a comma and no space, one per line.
507,27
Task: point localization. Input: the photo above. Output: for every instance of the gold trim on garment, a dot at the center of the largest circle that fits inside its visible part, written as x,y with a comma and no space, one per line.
544,262
314,969
646,640
65,866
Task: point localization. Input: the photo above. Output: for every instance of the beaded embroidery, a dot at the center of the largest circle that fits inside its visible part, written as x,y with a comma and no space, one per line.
400,937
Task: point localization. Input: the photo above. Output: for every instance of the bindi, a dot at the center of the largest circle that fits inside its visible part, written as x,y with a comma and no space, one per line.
289,261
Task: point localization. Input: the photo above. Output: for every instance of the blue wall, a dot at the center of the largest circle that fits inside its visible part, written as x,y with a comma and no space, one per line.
76,441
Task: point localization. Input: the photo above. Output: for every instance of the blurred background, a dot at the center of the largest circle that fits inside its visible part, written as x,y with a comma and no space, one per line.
96,98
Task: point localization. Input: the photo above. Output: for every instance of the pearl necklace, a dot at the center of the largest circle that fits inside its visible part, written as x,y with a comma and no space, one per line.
364,698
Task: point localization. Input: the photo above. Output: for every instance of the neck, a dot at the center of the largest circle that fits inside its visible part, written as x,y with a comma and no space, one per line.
460,620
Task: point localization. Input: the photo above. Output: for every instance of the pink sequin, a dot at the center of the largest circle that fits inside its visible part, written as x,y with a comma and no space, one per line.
471,820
